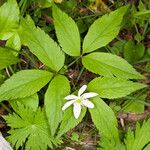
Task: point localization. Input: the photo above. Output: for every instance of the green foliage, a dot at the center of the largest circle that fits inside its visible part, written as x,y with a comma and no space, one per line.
7,58
107,65
134,105
113,87
9,19
67,32
103,30
54,97
30,127
14,42
132,52
69,121
31,102
30,81
44,3
141,137
41,45
106,122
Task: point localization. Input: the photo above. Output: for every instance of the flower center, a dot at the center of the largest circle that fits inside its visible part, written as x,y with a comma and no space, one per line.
79,100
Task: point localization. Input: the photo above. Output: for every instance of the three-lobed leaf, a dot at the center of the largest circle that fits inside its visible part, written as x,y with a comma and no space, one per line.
7,58
9,19
110,65
58,88
67,32
41,45
24,83
29,127
113,87
139,139
103,30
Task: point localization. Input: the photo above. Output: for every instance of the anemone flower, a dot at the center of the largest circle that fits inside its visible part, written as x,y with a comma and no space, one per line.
79,101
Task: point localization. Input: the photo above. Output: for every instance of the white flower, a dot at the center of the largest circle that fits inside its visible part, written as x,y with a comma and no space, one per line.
79,101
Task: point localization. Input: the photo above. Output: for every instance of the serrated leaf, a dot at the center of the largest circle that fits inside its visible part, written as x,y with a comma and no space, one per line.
106,122
67,32
54,97
24,83
7,58
110,65
41,45
30,127
139,139
69,121
31,102
113,87
103,30
9,19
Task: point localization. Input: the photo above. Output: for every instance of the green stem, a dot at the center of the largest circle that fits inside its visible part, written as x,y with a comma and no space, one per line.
73,62
79,76
6,108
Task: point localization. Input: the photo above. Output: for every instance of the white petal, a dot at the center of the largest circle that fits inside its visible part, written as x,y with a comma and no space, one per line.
77,110
81,90
66,105
88,103
69,97
89,95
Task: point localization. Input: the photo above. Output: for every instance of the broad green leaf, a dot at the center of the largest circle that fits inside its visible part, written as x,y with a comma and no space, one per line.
105,121
7,58
54,98
67,32
31,102
113,87
41,45
44,3
103,30
24,83
132,104
69,121
132,52
14,42
9,19
139,139
110,65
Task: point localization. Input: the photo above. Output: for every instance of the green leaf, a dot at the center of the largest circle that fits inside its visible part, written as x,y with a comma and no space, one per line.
69,121
67,32
103,30
2,77
139,139
133,105
9,19
14,42
24,83
31,102
132,52
30,127
7,58
107,64
54,97
113,87
41,45
44,3
105,121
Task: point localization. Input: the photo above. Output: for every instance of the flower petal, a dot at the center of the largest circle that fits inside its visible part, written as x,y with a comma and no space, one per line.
89,95
77,110
66,105
88,103
81,90
69,97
